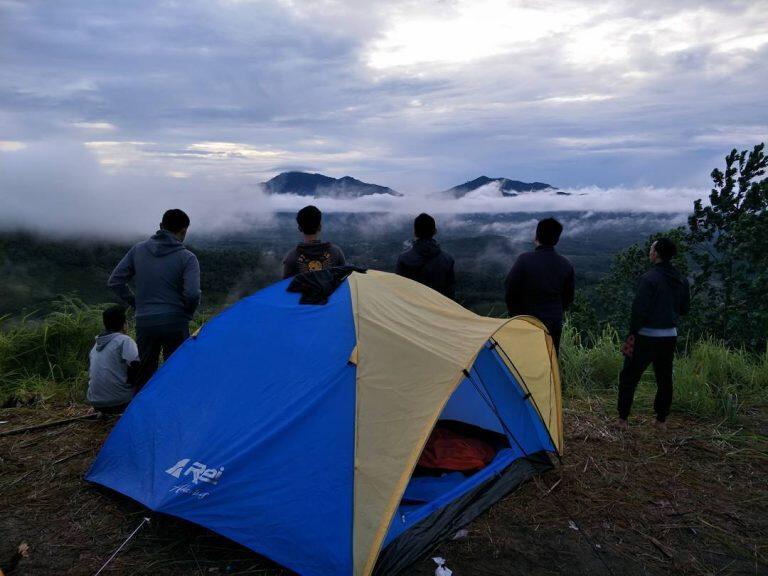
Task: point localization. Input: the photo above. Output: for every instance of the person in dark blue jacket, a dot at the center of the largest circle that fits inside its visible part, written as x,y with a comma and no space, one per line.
541,283
426,262
662,296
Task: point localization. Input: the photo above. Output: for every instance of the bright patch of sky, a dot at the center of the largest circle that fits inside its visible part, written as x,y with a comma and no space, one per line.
188,101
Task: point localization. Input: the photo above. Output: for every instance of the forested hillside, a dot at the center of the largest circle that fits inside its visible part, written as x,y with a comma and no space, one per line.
35,271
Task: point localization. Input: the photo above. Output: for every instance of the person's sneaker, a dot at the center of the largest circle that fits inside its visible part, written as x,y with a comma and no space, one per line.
621,424
659,425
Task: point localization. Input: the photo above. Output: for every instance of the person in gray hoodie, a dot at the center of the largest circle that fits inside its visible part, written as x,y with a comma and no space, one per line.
311,255
113,365
167,280
426,262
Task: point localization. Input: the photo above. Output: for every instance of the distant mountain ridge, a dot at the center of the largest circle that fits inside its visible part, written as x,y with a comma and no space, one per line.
315,185
506,186
322,186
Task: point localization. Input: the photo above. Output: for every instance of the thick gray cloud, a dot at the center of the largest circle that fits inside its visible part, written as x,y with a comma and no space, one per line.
149,103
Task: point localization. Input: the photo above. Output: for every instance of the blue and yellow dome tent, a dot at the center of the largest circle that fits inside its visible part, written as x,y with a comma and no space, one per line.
295,429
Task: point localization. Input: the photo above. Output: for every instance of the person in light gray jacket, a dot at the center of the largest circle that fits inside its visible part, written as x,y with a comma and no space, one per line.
167,281
113,365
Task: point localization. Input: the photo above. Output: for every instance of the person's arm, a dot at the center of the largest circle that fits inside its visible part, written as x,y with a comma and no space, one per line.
685,304
289,265
130,355
569,290
642,306
513,293
133,376
340,258
451,289
399,268
121,275
190,294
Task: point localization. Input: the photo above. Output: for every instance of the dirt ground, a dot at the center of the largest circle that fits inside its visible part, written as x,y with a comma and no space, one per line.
691,500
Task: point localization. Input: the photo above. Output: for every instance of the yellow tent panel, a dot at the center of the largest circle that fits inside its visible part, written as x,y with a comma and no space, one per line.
413,346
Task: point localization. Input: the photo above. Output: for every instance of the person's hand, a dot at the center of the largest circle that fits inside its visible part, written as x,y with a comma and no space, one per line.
628,348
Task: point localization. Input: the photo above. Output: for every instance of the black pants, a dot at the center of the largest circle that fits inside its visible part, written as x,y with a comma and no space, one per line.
111,409
648,350
556,332
151,340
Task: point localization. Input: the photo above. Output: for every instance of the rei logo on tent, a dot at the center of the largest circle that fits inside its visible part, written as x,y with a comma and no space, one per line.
199,471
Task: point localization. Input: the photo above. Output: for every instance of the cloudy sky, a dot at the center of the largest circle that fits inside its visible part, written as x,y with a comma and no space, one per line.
140,104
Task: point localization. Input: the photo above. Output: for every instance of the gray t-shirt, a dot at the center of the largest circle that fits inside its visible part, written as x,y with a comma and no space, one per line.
108,384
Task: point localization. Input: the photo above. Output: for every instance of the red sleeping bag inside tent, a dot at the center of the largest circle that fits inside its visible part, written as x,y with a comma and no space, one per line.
449,450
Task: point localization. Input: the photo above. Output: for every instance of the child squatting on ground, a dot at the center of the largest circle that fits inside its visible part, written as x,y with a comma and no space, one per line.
114,363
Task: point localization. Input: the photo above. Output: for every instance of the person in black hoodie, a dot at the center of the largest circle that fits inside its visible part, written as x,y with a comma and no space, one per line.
541,283
662,296
311,255
425,262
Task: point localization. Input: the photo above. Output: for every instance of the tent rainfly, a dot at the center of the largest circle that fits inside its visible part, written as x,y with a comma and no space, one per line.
295,429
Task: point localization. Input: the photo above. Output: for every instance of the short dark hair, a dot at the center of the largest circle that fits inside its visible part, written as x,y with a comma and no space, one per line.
114,318
175,220
548,231
424,226
308,219
665,248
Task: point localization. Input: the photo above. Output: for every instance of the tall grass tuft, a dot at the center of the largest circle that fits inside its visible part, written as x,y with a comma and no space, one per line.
711,380
42,358
714,380
47,359
589,367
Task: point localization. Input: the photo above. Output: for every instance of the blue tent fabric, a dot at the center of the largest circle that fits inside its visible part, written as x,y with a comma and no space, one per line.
278,429
249,430
526,431
489,397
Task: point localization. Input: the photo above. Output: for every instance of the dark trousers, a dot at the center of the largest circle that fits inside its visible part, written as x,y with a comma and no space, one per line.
556,332
648,350
111,409
151,341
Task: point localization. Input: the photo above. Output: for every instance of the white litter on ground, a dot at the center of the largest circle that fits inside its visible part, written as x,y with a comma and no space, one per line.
442,569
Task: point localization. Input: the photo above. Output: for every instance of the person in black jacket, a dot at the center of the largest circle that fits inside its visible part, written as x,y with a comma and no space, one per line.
541,283
426,262
662,296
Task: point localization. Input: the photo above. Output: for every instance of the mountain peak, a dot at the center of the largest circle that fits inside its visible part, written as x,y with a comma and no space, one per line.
322,186
507,187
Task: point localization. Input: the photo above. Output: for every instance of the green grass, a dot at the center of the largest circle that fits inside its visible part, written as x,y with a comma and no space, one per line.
42,359
711,380
47,360
589,367
718,381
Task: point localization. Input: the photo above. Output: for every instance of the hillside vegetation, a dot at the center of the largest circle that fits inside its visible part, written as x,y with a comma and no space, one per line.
45,361
722,366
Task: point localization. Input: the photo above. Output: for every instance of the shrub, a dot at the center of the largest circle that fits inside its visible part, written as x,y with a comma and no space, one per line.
710,379
44,359
37,357
586,367
714,380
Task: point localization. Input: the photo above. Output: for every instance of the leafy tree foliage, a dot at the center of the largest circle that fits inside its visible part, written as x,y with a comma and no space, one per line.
727,244
35,272
722,249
